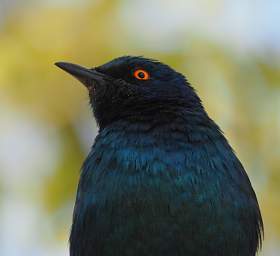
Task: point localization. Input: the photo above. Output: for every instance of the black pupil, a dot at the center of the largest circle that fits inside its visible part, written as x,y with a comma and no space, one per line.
141,74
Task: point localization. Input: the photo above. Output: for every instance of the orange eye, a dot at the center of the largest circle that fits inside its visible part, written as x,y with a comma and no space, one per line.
141,74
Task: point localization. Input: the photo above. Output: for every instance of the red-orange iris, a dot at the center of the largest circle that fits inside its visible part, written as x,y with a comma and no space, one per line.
141,74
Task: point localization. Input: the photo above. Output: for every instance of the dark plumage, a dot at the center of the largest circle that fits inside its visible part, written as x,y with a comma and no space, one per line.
160,179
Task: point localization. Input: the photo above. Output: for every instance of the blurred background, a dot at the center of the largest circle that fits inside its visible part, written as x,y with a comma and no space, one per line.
229,51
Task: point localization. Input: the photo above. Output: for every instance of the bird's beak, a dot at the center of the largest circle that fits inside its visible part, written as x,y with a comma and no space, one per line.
89,77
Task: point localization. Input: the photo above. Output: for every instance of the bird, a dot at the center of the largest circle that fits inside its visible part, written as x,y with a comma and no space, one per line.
161,177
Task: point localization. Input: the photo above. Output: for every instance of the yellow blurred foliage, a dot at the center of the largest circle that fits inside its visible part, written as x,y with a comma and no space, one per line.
240,92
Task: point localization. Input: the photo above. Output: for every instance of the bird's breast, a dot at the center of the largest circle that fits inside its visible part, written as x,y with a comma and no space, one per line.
140,187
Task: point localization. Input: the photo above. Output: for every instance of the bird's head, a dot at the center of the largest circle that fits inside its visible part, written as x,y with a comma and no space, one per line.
134,88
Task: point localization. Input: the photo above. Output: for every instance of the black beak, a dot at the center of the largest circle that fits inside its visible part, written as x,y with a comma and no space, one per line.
88,77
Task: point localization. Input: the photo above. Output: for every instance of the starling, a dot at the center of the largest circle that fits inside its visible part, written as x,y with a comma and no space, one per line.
161,178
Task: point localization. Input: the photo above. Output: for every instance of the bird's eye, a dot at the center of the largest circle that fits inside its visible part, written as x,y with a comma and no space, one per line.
141,74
